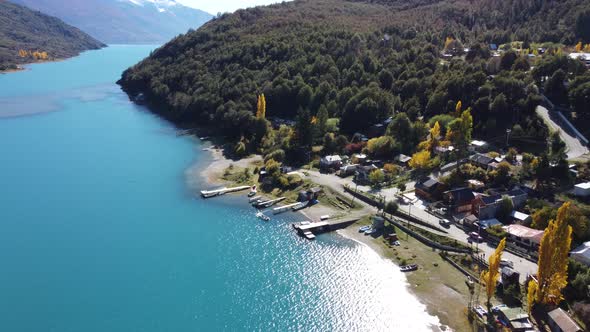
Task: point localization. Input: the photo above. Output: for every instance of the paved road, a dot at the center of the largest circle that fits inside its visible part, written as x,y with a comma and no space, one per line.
416,208
575,148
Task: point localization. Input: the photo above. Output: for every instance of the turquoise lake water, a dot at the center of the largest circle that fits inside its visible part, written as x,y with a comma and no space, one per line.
100,231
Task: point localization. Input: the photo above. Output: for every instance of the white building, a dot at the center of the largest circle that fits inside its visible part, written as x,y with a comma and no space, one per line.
331,162
582,189
582,253
584,57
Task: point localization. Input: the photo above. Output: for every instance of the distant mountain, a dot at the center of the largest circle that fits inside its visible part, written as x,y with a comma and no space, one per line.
29,36
125,21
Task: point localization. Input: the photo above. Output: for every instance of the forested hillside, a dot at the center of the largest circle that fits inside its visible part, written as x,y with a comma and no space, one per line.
363,61
29,36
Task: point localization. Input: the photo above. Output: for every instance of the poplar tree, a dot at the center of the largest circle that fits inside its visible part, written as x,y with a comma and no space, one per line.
490,277
553,260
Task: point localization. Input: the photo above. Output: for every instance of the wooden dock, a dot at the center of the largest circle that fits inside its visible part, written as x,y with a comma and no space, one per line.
305,228
269,203
287,207
222,191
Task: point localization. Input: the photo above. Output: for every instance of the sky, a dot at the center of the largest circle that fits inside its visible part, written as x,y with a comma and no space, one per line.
216,6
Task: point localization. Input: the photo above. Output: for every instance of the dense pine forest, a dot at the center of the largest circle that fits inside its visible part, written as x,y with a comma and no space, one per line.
343,66
29,36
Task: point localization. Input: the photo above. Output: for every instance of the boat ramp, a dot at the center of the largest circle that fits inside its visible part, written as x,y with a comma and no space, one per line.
309,229
222,191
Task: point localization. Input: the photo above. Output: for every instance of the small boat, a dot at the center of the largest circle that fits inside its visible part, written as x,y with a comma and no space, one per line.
369,231
397,244
262,216
408,268
363,229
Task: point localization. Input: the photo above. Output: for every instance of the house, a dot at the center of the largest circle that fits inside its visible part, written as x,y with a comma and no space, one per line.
470,220
347,170
332,162
582,253
584,57
478,146
516,318
475,184
459,200
560,321
443,150
402,159
487,223
520,218
429,188
359,158
486,207
509,277
582,189
362,174
309,195
524,236
481,160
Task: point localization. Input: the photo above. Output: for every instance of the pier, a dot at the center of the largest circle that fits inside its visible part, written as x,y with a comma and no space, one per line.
269,203
287,207
305,228
222,191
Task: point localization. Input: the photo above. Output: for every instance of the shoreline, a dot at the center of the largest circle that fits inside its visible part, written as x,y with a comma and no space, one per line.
437,290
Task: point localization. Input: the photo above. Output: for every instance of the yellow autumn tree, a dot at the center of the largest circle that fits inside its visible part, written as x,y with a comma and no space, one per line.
531,295
458,108
261,107
579,47
23,53
490,277
587,48
448,42
433,139
553,259
421,160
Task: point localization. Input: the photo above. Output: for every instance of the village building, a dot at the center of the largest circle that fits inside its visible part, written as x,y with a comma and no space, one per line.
429,189
481,160
517,318
582,189
487,223
509,277
362,174
347,170
584,57
520,218
582,253
402,159
478,146
459,200
486,207
330,162
523,236
560,321
309,195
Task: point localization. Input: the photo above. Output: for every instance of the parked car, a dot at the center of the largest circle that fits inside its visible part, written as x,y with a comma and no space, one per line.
445,223
505,262
475,237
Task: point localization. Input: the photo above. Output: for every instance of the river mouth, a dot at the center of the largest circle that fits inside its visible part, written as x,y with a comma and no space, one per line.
100,231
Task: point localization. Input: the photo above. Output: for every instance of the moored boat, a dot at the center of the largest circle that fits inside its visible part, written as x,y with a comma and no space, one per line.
408,268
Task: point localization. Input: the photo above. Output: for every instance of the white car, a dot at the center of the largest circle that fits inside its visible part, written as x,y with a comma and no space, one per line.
505,262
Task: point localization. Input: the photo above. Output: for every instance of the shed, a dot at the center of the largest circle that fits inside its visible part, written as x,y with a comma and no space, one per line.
519,217
582,253
560,321
487,223
517,318
403,159
582,189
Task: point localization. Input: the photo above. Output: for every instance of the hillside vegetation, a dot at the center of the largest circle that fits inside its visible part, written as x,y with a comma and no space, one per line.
361,62
28,36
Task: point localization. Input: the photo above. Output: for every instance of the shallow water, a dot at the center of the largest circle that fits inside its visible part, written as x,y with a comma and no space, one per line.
100,231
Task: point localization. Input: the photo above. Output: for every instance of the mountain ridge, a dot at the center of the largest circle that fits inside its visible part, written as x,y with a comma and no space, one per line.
125,21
